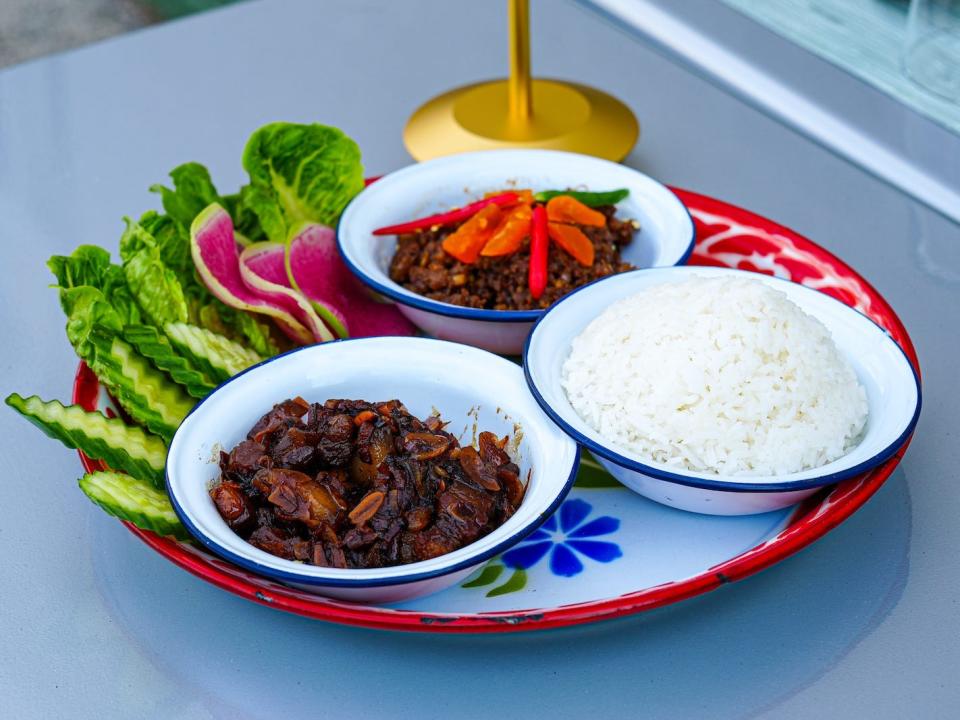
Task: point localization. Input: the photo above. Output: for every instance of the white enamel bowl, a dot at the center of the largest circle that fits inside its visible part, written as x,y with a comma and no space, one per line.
892,389
472,389
666,236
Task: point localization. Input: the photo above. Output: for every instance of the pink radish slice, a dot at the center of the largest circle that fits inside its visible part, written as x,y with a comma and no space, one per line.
261,267
213,247
315,268
266,260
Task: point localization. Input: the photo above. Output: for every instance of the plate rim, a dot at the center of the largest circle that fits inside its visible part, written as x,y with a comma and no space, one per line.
804,526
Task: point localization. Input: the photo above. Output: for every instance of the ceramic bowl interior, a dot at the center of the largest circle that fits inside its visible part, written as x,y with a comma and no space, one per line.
892,387
666,236
472,389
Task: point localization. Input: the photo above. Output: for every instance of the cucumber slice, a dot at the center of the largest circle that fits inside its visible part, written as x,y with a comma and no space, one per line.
143,391
148,341
219,357
135,501
121,446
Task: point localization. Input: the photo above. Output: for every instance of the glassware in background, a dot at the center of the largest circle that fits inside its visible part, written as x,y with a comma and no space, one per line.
931,53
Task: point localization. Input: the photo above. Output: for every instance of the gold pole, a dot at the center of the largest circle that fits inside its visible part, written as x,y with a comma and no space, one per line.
520,112
519,81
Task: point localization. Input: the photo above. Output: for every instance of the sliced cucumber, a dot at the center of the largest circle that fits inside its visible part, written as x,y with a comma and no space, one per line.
121,446
133,500
143,391
148,341
216,355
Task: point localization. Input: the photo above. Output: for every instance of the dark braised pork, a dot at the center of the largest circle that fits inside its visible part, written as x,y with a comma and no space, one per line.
353,484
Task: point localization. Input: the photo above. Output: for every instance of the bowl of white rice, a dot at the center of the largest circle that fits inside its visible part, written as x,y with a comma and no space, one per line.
721,391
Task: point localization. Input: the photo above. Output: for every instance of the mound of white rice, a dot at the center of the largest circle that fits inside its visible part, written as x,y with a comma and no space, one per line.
721,375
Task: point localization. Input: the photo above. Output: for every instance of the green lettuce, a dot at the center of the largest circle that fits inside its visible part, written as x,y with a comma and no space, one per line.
86,308
155,286
90,266
258,216
192,191
84,266
298,173
173,243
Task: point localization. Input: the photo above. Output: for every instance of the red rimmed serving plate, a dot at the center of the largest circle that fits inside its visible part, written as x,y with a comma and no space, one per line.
607,552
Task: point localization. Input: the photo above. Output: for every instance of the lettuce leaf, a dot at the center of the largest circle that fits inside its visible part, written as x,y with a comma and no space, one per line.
260,215
155,286
173,242
246,224
298,173
90,266
193,191
84,266
86,307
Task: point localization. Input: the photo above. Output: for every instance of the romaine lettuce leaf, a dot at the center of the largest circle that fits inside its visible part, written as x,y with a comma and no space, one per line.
84,266
299,173
154,285
86,307
193,191
90,265
260,214
173,242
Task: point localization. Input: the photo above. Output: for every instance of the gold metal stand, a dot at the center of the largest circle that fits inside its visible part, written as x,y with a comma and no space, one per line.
522,113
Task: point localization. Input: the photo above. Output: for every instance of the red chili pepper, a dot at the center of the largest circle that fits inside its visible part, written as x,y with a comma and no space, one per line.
538,252
507,198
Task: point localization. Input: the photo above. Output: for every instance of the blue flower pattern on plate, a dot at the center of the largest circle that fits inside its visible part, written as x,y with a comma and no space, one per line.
565,535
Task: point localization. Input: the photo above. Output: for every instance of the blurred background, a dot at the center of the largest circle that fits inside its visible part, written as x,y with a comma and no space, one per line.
870,39
33,28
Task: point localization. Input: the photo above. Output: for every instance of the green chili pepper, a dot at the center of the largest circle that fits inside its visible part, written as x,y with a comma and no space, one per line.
590,199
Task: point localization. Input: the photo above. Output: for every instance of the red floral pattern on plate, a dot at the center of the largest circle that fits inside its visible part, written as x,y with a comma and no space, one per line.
727,236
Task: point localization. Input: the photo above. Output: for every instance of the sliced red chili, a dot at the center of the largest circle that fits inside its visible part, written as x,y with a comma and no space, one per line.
448,218
539,241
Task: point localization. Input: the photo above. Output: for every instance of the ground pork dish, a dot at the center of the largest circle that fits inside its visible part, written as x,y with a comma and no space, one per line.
512,251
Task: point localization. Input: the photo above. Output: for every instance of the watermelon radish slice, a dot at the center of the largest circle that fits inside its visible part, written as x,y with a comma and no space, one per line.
265,260
262,269
315,268
213,247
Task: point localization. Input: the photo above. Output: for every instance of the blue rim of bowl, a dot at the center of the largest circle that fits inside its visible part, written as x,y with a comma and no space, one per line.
608,453
292,577
465,313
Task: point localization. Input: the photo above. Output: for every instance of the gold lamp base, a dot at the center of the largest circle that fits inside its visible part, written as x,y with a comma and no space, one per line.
566,116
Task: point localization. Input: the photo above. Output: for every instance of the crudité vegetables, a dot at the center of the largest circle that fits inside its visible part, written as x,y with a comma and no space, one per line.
133,500
185,309
497,226
315,268
122,446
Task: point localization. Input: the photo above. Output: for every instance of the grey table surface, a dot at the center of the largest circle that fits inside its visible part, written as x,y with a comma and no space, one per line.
865,622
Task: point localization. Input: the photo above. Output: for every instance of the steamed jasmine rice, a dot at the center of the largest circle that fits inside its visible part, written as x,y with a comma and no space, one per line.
719,375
